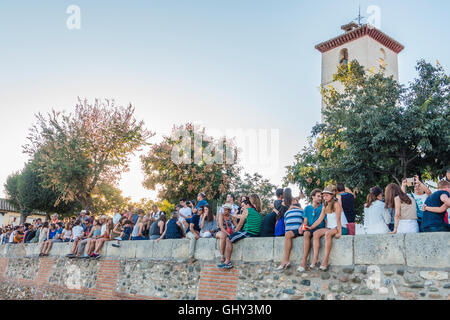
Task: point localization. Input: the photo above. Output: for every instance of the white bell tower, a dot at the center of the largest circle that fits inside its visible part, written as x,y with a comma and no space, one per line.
371,47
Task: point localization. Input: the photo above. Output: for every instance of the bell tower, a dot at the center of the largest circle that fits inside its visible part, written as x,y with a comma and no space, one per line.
364,43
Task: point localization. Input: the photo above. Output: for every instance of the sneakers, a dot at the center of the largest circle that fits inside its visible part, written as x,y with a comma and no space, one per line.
116,245
281,267
228,265
95,255
118,238
70,255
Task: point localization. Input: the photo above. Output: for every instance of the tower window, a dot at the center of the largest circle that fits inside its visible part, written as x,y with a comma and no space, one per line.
343,57
382,56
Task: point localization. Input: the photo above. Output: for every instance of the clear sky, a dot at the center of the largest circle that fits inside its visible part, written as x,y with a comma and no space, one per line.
223,63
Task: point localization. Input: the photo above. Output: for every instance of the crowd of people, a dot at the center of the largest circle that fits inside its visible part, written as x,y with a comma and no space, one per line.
331,214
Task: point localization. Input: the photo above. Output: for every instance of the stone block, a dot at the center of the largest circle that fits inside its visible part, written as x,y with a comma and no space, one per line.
428,250
32,250
16,250
296,250
257,249
205,249
60,249
379,249
127,249
341,252
162,250
144,249
180,249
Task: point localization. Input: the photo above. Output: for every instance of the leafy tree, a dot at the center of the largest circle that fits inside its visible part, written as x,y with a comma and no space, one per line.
25,191
189,162
255,184
80,150
106,197
377,131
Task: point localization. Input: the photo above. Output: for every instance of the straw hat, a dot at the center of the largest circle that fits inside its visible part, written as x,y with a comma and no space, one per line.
329,190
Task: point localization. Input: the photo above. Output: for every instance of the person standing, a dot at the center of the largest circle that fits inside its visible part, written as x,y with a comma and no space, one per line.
405,219
376,216
420,195
435,208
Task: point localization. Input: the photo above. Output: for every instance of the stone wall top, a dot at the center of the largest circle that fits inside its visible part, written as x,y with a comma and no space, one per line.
430,250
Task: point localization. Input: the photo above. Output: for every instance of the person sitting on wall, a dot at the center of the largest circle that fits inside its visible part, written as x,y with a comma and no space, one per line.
336,226
106,236
194,232
208,224
435,208
87,244
227,225
269,221
125,235
250,223
50,235
346,199
157,227
293,219
174,229
310,215
285,205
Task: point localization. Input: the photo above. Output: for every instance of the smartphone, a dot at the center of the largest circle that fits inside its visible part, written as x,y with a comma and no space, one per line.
409,182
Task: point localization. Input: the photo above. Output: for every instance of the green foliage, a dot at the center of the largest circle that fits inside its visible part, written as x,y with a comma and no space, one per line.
254,184
185,179
106,197
78,151
377,131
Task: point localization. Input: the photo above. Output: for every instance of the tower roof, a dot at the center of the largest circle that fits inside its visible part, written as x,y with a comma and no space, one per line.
353,33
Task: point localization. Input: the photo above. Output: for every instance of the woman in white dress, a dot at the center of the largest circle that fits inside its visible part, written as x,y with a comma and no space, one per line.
376,216
405,220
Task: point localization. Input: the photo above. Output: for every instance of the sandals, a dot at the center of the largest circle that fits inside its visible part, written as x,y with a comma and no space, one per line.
281,267
222,259
314,266
322,268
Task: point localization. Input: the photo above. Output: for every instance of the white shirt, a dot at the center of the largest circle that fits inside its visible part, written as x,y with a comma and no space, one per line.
157,215
332,221
185,212
103,230
116,218
77,231
376,218
11,237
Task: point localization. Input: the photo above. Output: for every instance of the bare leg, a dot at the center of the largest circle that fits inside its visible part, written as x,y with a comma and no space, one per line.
221,236
49,247
328,244
306,248
287,247
228,250
316,244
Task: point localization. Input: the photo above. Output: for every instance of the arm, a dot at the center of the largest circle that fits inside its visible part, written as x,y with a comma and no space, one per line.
319,220
397,214
241,222
161,227
404,183
338,208
163,234
348,190
425,188
221,224
202,221
182,229
141,225
445,199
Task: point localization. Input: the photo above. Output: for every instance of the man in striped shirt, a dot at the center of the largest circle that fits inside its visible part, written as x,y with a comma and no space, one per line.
293,219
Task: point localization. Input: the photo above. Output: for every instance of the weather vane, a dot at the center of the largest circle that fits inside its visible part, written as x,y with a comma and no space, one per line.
360,17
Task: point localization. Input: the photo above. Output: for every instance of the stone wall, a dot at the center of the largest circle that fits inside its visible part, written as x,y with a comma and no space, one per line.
362,267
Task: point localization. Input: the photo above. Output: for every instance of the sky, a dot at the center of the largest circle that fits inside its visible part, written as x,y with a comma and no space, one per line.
232,64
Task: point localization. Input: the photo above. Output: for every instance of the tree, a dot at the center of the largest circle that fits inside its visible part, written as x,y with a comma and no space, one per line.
377,131
255,184
25,191
80,150
106,197
189,162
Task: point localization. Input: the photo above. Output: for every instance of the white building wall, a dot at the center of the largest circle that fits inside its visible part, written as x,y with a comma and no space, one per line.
367,51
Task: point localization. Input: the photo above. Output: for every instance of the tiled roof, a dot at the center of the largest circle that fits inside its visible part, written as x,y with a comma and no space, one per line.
358,33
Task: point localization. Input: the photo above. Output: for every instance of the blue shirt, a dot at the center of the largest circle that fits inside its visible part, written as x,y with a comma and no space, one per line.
293,219
196,221
202,202
313,214
431,219
135,218
127,233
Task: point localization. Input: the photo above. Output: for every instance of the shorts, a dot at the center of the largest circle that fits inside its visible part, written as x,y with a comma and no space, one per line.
295,232
313,230
235,237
